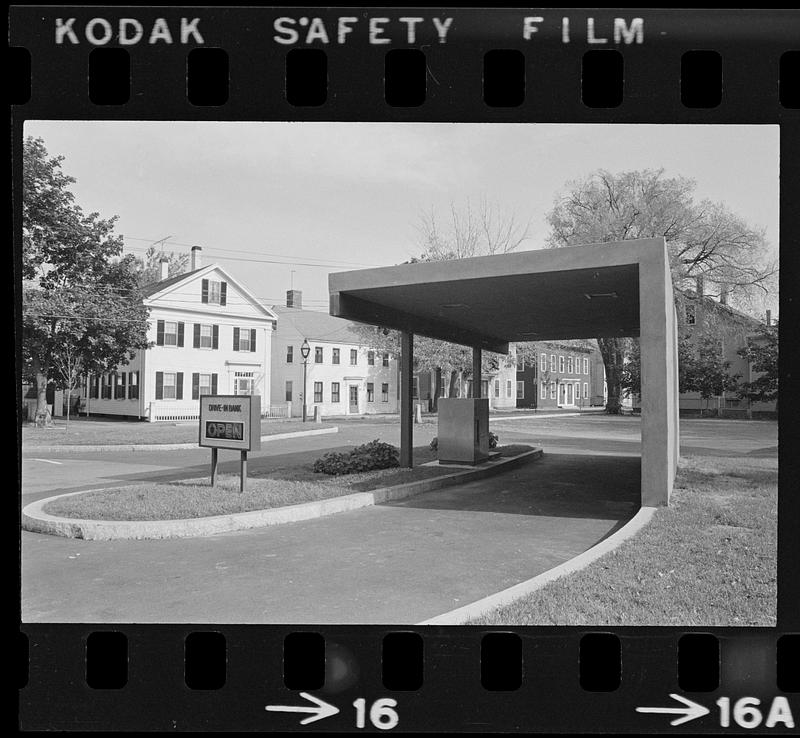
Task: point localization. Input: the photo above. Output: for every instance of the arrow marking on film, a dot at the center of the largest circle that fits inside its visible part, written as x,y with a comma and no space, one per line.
692,711
319,711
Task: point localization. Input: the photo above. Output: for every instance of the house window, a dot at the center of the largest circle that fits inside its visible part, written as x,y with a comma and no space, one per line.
204,384
317,354
497,388
520,363
561,364
288,395
508,388
415,387
520,390
543,393
386,359
385,392
290,354
214,292
370,392
206,336
585,390
169,391
484,387
170,333
105,390
119,385
552,362
371,358
335,397
586,366
133,385
543,362
552,390
353,357
690,314
317,391
244,339
570,365
335,358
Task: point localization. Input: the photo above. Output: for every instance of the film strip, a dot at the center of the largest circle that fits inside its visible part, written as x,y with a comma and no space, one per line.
411,65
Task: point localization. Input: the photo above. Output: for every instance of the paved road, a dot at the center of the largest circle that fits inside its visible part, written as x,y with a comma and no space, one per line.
397,563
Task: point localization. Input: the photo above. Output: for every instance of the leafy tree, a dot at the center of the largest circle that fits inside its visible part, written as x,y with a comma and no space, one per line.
82,311
704,239
709,375
762,353
148,267
631,381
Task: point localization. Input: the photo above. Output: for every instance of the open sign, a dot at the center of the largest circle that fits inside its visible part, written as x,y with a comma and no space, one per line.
230,421
232,431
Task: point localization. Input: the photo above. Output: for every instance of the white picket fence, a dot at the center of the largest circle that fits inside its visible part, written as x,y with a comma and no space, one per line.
180,410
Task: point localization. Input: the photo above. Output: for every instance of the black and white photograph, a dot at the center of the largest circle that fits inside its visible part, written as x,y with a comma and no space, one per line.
399,373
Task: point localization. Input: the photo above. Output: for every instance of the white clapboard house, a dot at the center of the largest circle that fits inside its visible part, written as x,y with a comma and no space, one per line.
210,335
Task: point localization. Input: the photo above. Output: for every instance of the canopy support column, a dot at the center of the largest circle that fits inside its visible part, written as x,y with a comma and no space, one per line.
406,390
476,372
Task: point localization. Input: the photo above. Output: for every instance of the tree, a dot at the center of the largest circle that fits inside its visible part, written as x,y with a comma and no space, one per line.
762,353
469,231
704,239
631,375
709,375
82,309
148,267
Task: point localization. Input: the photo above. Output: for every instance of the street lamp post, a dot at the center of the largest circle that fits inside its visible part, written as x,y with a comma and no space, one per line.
305,350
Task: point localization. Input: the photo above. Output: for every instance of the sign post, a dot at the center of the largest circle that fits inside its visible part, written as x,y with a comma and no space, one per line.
230,421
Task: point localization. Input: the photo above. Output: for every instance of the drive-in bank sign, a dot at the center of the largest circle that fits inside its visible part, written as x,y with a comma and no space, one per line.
230,421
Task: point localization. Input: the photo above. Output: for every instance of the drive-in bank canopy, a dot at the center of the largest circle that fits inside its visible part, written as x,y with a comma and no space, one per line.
621,288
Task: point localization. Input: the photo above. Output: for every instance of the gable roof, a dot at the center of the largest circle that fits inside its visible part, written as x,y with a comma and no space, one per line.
318,326
722,308
157,288
154,287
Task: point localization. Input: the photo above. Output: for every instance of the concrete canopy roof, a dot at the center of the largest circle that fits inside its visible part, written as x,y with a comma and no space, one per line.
489,301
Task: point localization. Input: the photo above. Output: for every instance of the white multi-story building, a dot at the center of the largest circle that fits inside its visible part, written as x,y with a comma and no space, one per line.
210,335
342,375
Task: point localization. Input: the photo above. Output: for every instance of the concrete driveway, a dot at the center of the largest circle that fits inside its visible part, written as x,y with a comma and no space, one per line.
401,562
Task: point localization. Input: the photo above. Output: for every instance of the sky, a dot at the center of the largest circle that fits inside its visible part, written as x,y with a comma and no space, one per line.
336,196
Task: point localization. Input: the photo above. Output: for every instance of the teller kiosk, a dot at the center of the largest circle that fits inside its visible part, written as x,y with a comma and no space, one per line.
463,430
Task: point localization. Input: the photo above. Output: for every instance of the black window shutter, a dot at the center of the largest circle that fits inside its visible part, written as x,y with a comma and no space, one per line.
195,385
196,339
204,293
124,385
160,333
252,339
180,334
179,386
213,384
215,336
159,385
235,339
223,292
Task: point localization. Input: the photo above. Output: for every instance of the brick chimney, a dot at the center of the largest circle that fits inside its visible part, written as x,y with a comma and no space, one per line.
163,264
723,295
197,257
769,318
699,285
294,299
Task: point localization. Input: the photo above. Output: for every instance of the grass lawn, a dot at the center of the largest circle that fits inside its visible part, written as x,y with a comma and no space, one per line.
708,559
280,486
89,432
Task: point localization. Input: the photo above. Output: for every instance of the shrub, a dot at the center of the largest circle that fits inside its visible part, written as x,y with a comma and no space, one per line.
367,457
434,444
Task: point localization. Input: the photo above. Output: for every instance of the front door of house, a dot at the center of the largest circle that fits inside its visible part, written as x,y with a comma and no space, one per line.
562,394
570,394
354,399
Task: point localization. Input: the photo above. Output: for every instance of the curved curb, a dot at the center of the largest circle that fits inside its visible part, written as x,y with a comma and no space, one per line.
34,518
171,446
462,615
